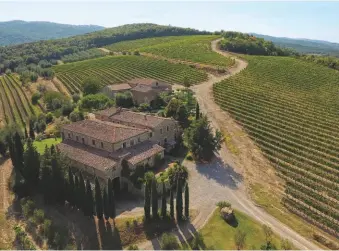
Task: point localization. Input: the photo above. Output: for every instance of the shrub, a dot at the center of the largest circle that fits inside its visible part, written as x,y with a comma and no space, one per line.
95,101
124,99
91,86
169,242
27,208
35,98
38,216
136,53
133,247
189,156
76,97
222,204
49,117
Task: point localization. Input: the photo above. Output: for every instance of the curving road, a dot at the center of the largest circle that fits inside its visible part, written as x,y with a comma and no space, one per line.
216,181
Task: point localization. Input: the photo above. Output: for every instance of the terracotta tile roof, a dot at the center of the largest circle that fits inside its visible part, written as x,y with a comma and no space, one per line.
119,87
142,81
105,131
138,153
89,156
142,88
107,112
138,118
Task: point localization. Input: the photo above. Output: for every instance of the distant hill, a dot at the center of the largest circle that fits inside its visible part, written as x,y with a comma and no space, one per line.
307,46
24,54
17,32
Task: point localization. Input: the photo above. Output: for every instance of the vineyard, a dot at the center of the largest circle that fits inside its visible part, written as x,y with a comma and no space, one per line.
290,108
15,106
117,69
196,49
83,55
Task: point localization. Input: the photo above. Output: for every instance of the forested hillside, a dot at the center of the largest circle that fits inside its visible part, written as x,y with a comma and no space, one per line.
248,44
24,54
18,32
305,46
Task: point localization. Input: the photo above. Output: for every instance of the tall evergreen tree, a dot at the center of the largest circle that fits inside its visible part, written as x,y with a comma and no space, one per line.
52,149
26,133
58,180
19,152
171,204
98,199
106,203
82,193
163,201
31,129
178,205
154,199
147,203
197,111
31,170
89,200
71,187
46,176
76,191
111,199
187,202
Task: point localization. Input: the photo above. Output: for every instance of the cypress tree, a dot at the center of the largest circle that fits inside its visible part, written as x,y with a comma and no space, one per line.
106,204
179,201
147,203
26,133
98,199
163,201
171,204
82,193
187,201
76,191
154,199
111,200
197,111
52,149
46,176
31,170
19,152
31,129
58,181
89,200
71,187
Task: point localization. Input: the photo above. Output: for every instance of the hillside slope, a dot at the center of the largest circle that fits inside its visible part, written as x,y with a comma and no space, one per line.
11,56
17,32
290,109
307,46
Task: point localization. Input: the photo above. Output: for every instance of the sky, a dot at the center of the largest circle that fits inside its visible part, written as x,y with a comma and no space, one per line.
313,20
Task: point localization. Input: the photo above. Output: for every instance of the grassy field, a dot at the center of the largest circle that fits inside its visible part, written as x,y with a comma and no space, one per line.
117,69
15,105
40,145
290,109
196,49
219,235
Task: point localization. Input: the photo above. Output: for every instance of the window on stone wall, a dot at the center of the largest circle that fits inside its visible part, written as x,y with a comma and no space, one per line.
77,138
150,134
124,145
83,140
132,142
167,128
102,145
160,130
69,135
93,142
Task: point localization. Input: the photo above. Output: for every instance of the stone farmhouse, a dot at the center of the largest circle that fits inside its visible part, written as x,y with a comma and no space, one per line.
143,90
98,146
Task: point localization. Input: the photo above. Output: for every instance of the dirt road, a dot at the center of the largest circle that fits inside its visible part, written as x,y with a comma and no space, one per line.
222,179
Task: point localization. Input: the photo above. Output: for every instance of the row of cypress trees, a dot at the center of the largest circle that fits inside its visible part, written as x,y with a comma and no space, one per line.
46,174
152,197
